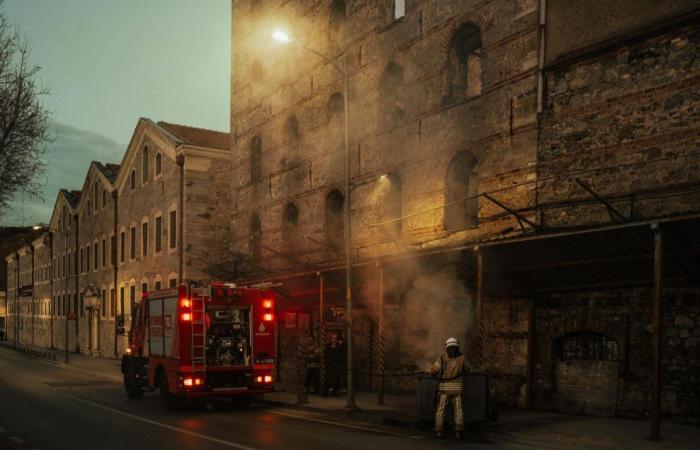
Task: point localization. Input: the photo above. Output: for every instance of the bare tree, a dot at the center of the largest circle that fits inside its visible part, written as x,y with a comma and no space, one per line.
24,122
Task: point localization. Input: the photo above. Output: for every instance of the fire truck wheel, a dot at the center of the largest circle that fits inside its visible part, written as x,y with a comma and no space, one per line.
170,401
132,389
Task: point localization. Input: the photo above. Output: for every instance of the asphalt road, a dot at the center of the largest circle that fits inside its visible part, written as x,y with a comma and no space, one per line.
44,406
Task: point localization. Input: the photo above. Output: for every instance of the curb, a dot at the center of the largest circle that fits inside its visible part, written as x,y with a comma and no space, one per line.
365,416
37,353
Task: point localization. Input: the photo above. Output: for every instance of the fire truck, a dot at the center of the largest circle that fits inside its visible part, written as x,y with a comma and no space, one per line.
201,341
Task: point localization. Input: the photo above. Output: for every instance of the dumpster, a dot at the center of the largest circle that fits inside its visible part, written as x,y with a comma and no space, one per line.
476,400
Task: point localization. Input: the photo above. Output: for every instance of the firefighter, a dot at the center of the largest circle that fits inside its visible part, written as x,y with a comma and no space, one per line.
449,369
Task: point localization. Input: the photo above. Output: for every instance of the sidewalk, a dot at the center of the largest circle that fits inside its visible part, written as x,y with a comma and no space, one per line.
529,428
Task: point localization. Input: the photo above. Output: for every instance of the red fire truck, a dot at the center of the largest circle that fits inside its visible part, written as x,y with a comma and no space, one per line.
201,341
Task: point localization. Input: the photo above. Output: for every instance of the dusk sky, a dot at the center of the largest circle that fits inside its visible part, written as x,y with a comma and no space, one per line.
109,62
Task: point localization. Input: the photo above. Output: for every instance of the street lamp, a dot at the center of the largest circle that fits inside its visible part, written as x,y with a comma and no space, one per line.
284,38
51,231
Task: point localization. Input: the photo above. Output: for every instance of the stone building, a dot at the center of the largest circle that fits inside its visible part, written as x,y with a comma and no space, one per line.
146,223
517,169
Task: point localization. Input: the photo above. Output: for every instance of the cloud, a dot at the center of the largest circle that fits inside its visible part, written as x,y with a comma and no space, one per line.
67,160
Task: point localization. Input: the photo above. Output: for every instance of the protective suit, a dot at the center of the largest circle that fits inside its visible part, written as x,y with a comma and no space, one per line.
449,369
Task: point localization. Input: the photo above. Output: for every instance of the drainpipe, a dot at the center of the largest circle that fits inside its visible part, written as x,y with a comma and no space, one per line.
115,266
16,324
33,295
77,286
52,306
540,58
181,213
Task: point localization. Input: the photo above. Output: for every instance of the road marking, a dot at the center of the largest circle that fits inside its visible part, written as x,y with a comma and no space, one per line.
158,424
345,425
17,440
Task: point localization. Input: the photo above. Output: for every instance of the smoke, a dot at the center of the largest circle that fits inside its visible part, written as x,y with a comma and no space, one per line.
425,303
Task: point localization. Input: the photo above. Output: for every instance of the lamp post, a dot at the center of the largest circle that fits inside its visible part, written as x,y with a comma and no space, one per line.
52,231
285,38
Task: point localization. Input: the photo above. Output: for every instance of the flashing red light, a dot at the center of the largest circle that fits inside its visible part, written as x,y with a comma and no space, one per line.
267,304
128,351
187,381
268,378
268,317
186,317
259,379
198,382
185,303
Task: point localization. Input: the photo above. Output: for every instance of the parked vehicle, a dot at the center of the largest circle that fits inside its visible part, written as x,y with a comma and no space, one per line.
201,341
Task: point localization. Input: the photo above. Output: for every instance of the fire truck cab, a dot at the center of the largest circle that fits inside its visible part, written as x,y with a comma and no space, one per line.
201,341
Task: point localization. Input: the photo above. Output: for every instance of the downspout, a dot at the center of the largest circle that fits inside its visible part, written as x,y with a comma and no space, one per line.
115,266
33,295
77,286
52,306
541,56
16,324
181,214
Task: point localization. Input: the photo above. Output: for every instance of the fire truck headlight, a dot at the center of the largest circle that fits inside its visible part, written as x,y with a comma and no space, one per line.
187,382
268,317
258,379
268,379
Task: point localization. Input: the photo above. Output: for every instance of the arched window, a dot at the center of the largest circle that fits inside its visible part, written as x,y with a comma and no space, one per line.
586,345
291,214
256,160
291,128
144,159
133,179
95,197
461,188
255,236
338,13
335,202
335,106
159,163
390,202
464,63
390,84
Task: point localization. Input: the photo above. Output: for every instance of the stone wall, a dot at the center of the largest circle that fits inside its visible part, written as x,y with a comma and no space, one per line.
623,121
625,317
284,108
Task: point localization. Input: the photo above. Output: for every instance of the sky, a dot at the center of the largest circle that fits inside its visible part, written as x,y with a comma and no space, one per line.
109,62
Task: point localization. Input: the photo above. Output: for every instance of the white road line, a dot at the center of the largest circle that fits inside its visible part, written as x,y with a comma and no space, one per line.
159,424
345,425
17,440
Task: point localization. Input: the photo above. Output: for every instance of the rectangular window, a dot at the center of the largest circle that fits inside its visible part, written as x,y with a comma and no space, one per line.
104,198
87,258
104,253
144,238
82,303
96,259
103,302
132,298
132,244
63,267
144,287
157,288
113,250
173,229
122,244
172,283
121,300
159,231
112,302
399,8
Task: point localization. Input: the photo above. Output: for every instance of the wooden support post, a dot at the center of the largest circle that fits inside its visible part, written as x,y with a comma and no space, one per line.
382,333
322,336
656,333
530,353
478,313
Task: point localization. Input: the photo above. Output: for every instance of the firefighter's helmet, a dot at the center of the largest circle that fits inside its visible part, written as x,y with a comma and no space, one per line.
452,342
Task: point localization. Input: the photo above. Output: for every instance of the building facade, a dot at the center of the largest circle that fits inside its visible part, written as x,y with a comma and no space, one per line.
144,224
517,169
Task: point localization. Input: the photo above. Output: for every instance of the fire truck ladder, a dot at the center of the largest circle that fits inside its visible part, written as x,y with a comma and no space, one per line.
199,334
